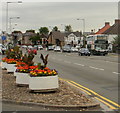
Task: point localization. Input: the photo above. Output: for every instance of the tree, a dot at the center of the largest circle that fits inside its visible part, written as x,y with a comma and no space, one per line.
43,30
32,31
116,43
68,28
35,38
55,28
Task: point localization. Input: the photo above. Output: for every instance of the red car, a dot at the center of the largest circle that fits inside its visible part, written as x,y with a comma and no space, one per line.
32,50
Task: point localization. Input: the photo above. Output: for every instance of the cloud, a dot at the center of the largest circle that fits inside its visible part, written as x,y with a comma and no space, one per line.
33,15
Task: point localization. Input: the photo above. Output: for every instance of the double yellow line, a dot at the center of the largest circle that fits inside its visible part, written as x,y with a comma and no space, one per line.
90,92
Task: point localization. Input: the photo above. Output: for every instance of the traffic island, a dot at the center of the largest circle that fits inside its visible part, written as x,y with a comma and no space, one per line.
66,98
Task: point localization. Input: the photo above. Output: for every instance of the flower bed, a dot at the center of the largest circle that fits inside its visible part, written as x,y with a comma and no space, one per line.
11,61
22,74
10,68
4,64
43,83
10,64
22,78
43,79
39,77
43,72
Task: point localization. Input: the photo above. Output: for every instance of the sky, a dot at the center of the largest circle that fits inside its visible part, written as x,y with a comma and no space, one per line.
34,15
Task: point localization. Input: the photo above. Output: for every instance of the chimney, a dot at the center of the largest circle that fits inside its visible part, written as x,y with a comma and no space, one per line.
117,21
107,23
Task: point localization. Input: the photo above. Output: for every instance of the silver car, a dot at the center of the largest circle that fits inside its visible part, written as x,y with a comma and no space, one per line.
2,49
57,48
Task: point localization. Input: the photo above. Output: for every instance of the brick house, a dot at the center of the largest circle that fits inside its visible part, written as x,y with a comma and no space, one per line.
16,37
113,32
26,37
56,38
104,28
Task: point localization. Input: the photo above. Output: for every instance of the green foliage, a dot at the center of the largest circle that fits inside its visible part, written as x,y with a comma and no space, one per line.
43,30
35,38
15,53
28,59
10,54
39,65
55,28
45,60
116,44
116,41
32,31
68,28
16,32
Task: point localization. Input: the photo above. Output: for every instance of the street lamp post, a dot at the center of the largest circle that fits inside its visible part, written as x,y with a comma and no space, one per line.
7,13
10,22
83,24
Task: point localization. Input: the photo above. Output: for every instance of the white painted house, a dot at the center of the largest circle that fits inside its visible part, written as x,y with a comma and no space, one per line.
72,38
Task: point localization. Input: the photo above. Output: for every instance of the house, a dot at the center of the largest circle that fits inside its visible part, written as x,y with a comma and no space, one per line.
43,39
110,31
56,38
16,37
103,29
26,36
113,32
72,38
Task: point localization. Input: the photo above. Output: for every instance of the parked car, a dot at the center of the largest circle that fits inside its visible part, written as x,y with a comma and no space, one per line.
74,49
2,49
36,46
24,46
40,47
29,47
50,48
66,48
84,51
32,50
78,46
57,48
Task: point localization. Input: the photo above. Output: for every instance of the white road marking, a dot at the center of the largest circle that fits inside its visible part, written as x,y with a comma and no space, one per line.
112,62
79,64
116,73
96,68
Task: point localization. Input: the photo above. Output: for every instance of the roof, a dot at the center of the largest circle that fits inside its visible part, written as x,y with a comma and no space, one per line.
114,28
28,34
58,35
103,29
44,35
78,34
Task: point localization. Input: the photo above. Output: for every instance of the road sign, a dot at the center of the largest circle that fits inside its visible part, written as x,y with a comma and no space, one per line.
3,37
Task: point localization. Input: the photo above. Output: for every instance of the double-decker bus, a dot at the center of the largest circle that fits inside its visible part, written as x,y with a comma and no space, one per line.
97,44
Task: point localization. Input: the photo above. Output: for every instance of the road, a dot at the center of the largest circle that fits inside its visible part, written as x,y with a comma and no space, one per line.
98,73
